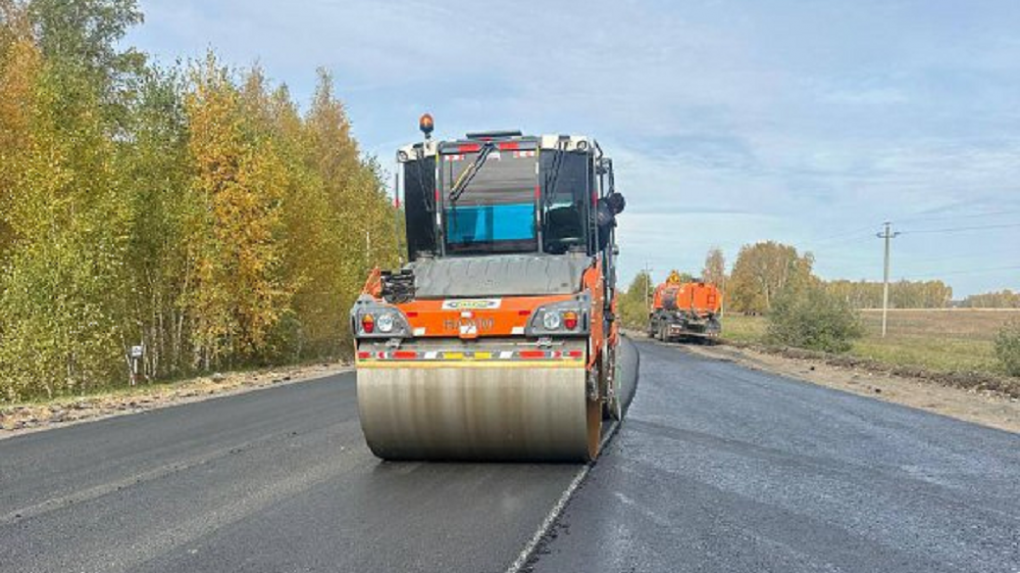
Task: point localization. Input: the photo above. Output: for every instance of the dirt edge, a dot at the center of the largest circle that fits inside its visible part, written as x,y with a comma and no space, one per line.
978,398
22,419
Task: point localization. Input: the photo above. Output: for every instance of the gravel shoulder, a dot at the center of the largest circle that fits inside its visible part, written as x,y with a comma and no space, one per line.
36,416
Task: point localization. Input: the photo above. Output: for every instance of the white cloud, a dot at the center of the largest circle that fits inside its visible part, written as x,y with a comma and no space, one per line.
730,120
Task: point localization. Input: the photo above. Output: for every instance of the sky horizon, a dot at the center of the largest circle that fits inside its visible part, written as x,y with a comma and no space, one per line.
730,122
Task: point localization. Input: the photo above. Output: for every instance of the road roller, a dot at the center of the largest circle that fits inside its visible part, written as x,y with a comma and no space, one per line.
497,339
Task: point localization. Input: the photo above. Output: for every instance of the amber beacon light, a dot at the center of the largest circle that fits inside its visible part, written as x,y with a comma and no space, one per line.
426,125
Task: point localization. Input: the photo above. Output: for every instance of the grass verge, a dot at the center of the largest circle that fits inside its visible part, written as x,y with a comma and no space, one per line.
952,347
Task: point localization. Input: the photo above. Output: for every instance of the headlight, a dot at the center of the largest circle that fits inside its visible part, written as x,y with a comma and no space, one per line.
551,320
385,322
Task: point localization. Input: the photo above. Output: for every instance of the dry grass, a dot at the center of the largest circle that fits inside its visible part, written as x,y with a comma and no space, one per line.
953,340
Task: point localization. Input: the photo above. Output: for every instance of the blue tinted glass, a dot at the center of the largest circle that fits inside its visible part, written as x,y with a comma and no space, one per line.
484,223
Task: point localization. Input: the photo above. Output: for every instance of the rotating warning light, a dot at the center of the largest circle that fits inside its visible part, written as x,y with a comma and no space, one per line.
426,125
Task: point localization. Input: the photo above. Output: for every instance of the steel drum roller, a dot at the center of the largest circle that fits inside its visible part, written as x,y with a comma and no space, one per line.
478,410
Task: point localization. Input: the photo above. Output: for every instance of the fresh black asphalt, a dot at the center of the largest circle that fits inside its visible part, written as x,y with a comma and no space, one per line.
717,468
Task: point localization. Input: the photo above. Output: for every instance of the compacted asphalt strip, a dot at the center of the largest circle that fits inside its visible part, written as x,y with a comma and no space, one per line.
272,480
715,468
720,468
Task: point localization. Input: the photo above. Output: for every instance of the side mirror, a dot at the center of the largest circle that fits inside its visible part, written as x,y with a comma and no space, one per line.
618,203
616,250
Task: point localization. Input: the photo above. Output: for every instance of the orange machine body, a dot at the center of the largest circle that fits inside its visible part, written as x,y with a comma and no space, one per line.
685,308
497,338
504,317
700,298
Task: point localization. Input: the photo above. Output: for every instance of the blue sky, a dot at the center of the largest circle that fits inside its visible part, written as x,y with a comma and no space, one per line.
730,122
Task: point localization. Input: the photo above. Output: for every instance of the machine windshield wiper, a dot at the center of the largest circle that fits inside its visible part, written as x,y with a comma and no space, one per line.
468,174
552,177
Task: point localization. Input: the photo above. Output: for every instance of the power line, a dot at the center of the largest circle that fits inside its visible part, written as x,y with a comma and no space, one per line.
1009,250
862,233
858,270
955,217
967,272
962,229
869,229
858,238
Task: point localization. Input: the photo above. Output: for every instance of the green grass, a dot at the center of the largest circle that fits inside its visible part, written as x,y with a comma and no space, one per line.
740,328
939,354
957,340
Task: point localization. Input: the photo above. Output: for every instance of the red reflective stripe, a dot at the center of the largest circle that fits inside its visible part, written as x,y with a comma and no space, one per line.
524,312
532,354
538,192
509,145
469,148
381,355
412,314
364,355
576,354
405,355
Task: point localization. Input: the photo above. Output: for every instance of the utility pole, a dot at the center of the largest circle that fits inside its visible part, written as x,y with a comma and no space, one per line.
648,285
887,235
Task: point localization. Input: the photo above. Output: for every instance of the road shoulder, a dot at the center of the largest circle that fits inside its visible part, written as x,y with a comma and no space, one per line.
979,407
34,417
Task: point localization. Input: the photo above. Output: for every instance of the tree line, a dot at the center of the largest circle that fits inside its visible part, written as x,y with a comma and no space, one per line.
902,294
763,271
191,208
1002,299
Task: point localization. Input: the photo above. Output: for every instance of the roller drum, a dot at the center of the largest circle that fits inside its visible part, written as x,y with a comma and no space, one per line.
478,412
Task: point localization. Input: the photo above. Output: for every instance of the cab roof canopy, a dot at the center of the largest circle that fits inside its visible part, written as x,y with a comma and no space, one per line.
472,142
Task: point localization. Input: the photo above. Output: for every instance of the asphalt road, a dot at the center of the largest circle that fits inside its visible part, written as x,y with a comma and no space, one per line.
273,480
716,468
719,468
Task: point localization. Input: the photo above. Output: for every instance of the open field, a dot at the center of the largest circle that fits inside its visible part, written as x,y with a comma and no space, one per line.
949,340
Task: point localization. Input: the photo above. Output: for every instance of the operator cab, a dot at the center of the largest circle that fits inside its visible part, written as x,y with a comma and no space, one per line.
504,192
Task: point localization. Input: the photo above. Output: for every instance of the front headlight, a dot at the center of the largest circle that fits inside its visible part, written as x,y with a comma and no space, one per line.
551,320
385,322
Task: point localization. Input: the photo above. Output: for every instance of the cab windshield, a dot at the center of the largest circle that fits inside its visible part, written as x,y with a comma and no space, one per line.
493,208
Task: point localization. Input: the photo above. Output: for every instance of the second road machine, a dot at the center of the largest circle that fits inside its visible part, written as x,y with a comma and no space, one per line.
681,309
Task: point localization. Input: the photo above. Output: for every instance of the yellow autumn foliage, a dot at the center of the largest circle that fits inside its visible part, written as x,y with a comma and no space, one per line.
191,209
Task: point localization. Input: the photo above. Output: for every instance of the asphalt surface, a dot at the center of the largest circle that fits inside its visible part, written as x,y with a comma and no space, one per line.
719,468
716,468
273,480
